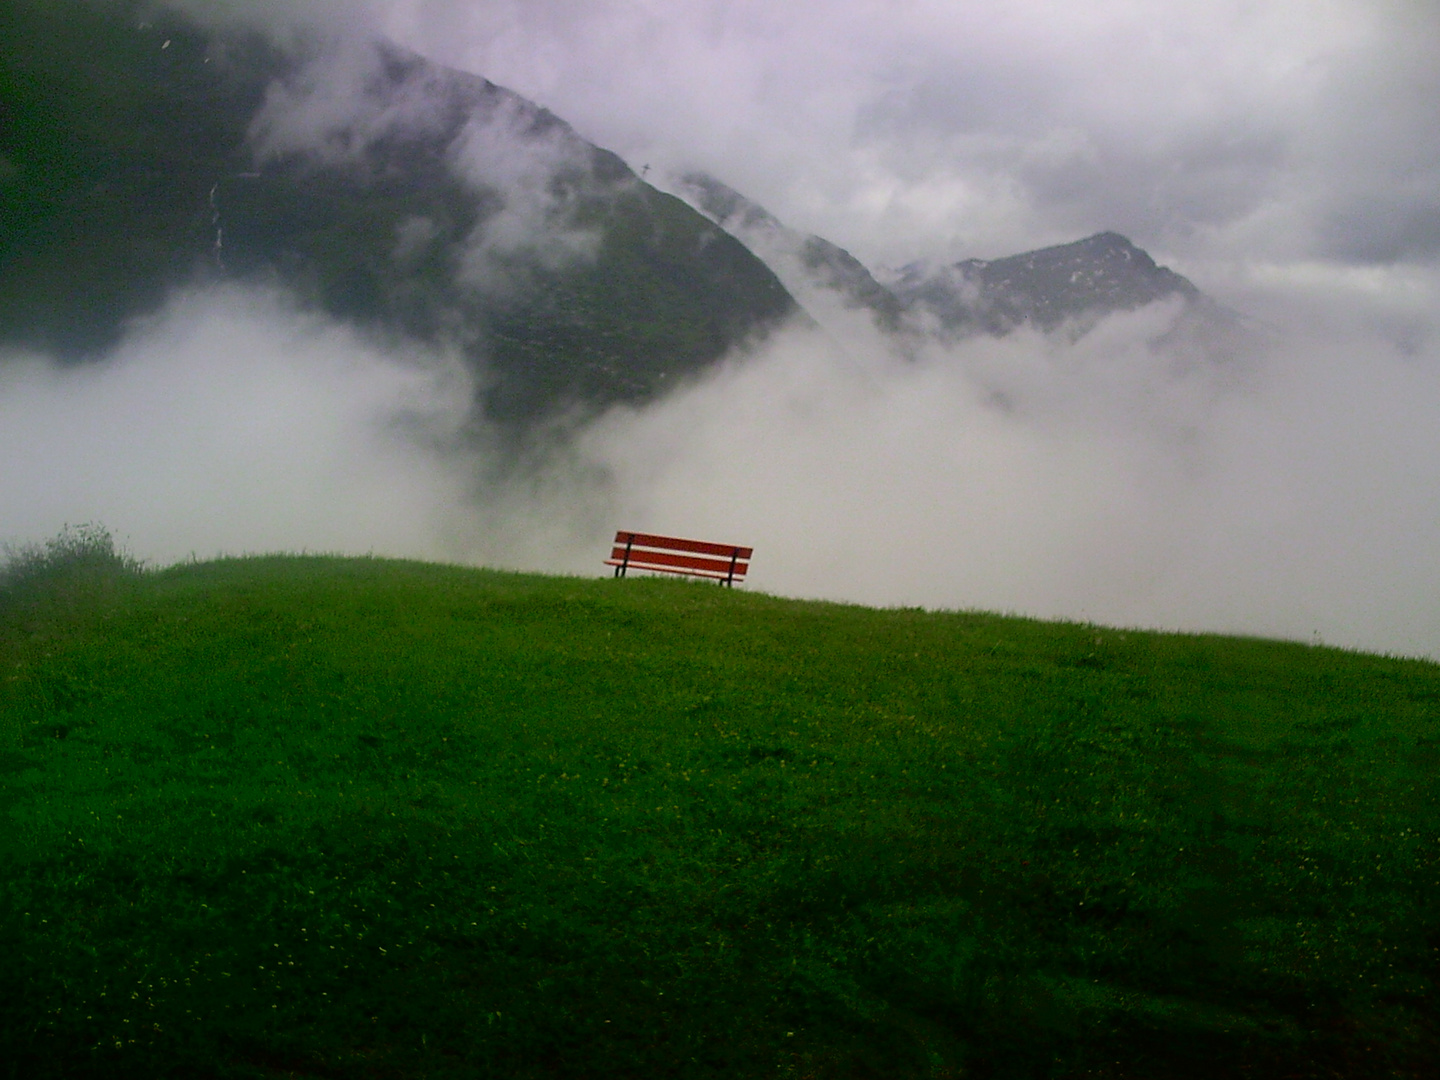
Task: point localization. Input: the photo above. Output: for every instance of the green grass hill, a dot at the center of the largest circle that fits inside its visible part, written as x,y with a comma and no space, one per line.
358,818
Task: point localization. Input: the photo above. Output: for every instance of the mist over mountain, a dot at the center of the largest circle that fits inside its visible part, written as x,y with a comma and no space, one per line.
1068,288
143,151
1080,282
807,264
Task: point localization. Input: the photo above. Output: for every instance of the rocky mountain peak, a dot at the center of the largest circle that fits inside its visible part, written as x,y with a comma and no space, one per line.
1084,280
1070,285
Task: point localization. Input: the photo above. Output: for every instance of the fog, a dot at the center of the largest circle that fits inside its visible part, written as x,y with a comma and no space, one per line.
1214,129
337,106
1290,493
1290,490
231,423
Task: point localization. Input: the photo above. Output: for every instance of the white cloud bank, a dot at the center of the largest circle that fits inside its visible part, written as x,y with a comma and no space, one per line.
1293,496
1292,493
230,424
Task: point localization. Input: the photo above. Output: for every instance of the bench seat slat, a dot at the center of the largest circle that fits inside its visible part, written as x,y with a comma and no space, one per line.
642,560
676,570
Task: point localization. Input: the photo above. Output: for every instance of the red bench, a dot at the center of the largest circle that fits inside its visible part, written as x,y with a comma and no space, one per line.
725,563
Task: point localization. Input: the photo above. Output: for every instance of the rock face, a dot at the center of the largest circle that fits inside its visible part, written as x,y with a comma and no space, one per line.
140,152
1077,283
1067,288
808,265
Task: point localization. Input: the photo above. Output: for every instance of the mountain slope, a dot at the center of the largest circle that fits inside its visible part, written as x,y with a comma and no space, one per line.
140,151
818,273
1068,287
1084,280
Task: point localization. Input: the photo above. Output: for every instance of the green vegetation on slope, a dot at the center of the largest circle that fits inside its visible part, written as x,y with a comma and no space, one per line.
126,152
109,146
359,818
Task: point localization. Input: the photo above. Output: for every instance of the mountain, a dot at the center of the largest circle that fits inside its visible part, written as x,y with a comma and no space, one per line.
1077,283
1067,288
141,151
816,272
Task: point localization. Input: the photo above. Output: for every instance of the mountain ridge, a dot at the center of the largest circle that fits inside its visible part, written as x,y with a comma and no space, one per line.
141,151
144,152
1069,286
1084,279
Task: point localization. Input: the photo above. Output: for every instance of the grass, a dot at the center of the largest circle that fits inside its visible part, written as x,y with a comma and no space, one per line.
322,817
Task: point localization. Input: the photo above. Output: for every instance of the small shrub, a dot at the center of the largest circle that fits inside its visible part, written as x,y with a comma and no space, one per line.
79,552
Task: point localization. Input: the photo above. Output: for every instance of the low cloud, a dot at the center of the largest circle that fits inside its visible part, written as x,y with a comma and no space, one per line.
230,423
538,171
355,100
1282,156
1289,492
342,101
1291,129
1295,129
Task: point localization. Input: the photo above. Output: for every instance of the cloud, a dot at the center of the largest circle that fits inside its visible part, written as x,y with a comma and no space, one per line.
1297,129
538,171
1293,129
343,100
1379,153
1289,493
231,423
355,102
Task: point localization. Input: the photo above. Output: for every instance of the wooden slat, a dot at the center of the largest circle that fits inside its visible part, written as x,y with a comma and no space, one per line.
643,559
676,543
672,570
641,556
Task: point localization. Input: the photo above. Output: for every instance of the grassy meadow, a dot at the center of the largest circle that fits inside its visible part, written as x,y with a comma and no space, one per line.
359,818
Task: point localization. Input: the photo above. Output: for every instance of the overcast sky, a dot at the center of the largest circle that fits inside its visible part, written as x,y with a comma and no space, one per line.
1209,131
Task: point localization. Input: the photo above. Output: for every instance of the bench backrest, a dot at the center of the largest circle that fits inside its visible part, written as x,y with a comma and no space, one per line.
726,563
